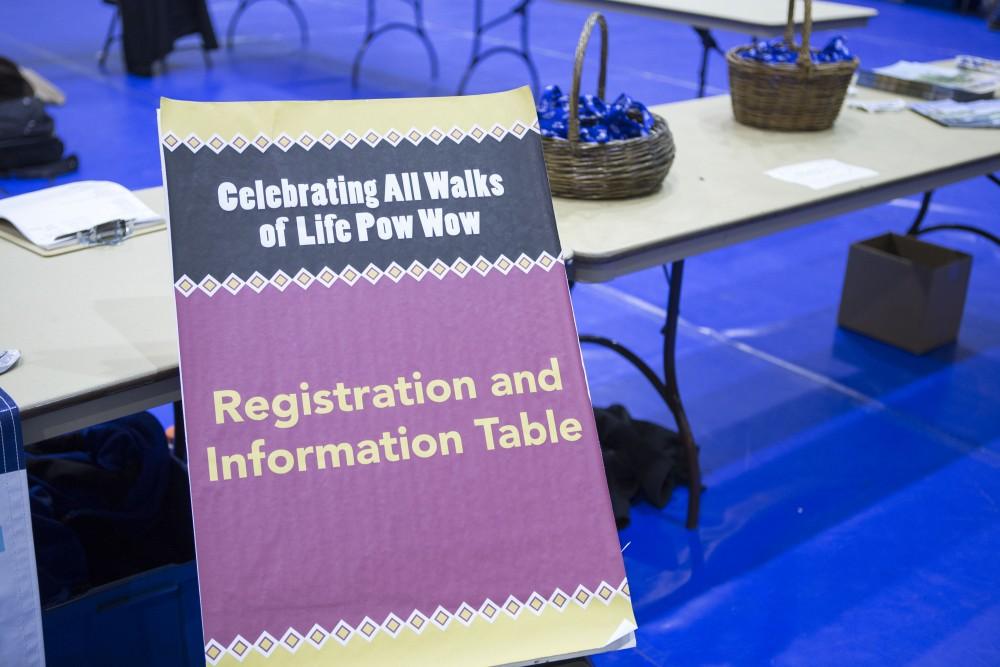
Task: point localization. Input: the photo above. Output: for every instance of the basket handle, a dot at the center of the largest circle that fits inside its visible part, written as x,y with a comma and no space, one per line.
581,50
804,59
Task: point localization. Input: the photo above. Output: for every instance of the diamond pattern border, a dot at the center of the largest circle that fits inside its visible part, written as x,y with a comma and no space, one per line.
280,281
416,622
282,141
265,644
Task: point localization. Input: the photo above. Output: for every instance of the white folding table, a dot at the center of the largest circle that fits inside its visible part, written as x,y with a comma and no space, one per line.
97,328
757,18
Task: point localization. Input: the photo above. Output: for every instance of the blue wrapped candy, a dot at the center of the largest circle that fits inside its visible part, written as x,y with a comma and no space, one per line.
600,122
835,51
777,51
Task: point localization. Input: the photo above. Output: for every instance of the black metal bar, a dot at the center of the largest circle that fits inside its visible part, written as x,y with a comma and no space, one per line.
492,51
925,205
673,396
667,388
372,33
993,177
526,50
708,44
233,20
630,356
480,27
102,56
302,21
180,437
959,228
292,5
703,72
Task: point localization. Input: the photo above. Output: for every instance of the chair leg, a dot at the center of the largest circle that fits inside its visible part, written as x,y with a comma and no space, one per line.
102,56
233,20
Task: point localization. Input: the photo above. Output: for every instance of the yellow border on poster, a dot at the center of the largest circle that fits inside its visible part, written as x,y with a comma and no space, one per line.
481,643
250,119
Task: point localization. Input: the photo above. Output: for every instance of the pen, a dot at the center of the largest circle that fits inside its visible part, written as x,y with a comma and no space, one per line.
111,231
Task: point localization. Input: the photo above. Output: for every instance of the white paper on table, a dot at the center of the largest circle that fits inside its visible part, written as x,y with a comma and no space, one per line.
51,217
820,174
878,106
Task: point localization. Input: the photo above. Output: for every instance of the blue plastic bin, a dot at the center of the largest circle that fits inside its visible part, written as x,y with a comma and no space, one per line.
151,619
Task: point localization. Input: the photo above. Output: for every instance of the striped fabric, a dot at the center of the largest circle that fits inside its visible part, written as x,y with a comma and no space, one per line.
11,446
21,640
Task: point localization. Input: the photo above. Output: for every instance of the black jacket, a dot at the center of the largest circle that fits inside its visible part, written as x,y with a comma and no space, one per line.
150,28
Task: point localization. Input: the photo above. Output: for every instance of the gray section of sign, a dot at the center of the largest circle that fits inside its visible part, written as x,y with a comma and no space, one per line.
209,240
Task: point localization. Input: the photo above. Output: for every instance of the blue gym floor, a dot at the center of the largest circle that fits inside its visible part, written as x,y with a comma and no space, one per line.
853,508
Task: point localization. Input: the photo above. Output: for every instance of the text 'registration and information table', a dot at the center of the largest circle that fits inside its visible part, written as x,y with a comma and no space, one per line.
392,451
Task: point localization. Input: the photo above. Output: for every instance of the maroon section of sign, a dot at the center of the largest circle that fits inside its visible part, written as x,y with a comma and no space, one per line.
317,546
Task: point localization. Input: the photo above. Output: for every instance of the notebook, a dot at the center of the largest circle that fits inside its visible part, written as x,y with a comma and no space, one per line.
49,221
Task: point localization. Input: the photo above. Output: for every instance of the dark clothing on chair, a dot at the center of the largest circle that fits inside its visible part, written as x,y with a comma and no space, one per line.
150,28
107,502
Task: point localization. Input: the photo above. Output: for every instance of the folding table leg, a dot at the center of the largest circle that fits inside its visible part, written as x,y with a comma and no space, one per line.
180,437
667,388
372,33
925,205
708,44
481,27
102,56
916,228
293,7
673,395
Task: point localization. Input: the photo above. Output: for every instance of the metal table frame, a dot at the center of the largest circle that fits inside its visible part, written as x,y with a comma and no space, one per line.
293,7
481,26
703,25
667,387
917,228
373,31
418,27
517,13
708,44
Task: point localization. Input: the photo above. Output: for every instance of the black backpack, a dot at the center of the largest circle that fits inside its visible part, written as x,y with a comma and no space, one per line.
28,145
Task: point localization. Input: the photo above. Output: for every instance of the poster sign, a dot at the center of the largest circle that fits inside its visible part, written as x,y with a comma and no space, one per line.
21,641
392,451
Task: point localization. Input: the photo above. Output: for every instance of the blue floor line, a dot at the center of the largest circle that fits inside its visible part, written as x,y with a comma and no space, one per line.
973,449
728,339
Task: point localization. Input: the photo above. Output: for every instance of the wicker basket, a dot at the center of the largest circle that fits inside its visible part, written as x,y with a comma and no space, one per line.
612,170
788,96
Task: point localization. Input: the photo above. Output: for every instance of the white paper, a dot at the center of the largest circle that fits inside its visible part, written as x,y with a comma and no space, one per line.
621,643
878,106
50,217
981,113
820,174
7,360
